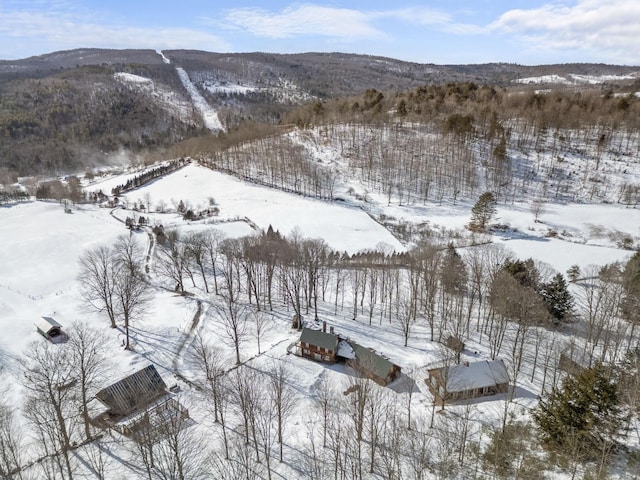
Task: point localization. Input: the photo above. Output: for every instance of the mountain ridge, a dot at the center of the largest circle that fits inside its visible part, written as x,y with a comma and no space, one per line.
68,110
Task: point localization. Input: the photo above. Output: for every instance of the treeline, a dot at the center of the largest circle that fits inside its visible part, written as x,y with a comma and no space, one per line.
480,105
149,175
445,142
13,196
58,190
484,291
284,164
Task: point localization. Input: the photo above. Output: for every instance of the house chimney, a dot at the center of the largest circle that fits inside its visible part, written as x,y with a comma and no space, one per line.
324,326
331,330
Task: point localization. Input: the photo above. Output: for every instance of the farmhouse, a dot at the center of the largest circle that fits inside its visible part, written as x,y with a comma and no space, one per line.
50,329
318,345
372,365
468,380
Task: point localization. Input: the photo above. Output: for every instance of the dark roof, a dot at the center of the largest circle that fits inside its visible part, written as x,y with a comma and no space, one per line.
372,361
319,339
133,392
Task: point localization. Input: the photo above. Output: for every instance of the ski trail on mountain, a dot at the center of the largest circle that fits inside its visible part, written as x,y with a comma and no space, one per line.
209,115
164,59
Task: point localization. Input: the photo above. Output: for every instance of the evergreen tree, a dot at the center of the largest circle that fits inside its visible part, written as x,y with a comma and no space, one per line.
573,273
631,285
525,272
500,150
453,272
510,453
483,211
557,298
583,415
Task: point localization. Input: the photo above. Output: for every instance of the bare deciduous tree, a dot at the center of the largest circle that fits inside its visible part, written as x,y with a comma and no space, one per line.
211,365
234,318
211,240
247,398
324,397
49,380
97,272
173,258
196,244
87,355
261,322
11,445
175,455
406,316
282,398
131,293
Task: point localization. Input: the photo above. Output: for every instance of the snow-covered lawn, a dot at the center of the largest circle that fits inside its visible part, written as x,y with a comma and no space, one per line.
39,267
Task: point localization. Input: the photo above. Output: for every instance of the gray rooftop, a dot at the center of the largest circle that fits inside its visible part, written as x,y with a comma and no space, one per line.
372,361
476,375
46,324
133,392
320,339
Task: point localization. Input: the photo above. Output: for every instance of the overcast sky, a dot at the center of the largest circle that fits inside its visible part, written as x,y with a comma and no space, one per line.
437,31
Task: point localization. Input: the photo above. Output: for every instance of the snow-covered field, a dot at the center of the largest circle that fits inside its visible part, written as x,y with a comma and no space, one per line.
39,266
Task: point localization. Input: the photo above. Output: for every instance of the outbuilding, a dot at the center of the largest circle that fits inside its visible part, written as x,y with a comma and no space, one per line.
133,392
50,329
468,380
139,404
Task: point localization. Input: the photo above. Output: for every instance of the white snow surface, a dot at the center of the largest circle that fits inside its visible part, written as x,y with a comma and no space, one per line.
228,88
131,78
39,265
575,79
343,228
164,58
209,115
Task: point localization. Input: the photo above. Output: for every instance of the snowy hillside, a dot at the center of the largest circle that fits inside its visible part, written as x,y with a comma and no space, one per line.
39,277
169,99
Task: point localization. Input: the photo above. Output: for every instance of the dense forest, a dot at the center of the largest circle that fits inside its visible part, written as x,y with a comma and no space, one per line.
65,112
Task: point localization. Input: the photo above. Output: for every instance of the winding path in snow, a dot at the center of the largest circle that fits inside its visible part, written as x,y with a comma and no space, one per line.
209,115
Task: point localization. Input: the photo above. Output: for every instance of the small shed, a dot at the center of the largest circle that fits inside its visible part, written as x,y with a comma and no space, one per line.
373,365
455,344
574,361
468,380
50,329
319,345
134,392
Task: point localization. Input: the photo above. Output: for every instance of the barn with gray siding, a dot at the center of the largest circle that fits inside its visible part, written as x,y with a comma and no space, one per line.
133,392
